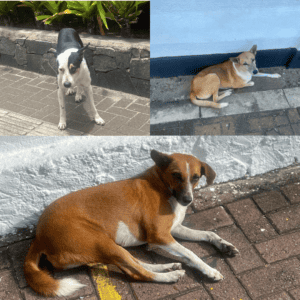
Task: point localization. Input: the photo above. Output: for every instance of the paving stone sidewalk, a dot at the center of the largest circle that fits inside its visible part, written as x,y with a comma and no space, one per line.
260,215
29,106
271,106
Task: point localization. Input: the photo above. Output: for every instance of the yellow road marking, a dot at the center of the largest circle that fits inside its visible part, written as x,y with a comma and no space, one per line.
105,287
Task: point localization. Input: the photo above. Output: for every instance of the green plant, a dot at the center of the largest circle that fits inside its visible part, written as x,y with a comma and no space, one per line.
7,11
88,9
36,6
6,7
56,8
123,12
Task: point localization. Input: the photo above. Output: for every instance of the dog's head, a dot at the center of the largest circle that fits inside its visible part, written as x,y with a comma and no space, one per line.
69,63
246,60
181,174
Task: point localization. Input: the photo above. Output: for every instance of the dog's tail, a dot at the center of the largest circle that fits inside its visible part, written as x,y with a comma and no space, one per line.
204,103
41,281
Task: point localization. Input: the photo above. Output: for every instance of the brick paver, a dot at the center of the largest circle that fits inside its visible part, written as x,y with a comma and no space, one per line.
280,248
286,219
254,224
272,278
292,192
34,96
248,213
270,201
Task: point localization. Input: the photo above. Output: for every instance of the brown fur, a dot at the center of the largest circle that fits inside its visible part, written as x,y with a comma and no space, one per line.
208,82
81,227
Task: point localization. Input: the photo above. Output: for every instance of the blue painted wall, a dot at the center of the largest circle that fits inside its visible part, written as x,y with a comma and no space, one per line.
196,27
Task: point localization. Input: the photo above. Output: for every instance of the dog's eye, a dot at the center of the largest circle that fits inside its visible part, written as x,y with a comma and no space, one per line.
177,176
61,69
245,64
73,70
196,177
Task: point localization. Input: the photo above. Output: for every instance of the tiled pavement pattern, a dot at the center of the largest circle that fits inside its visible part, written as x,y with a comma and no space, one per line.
29,106
271,106
259,215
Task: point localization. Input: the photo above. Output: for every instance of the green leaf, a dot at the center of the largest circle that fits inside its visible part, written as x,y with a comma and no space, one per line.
39,18
102,13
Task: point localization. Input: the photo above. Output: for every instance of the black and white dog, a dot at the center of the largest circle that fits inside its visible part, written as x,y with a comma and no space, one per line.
73,72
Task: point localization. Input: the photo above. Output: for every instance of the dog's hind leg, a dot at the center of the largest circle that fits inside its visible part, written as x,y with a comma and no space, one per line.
62,109
217,97
89,94
204,87
161,267
79,93
139,270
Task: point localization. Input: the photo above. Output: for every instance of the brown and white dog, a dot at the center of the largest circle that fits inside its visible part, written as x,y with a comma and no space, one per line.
93,225
234,73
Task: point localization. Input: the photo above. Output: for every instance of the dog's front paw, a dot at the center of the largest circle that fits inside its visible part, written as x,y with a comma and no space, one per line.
78,97
228,248
223,105
99,120
276,75
214,274
70,91
62,125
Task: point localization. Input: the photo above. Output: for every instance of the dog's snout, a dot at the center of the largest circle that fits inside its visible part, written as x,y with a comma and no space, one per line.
255,71
67,84
187,199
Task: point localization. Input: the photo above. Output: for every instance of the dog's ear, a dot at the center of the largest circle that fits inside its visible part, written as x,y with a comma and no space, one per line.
208,172
52,50
81,50
161,160
253,49
235,60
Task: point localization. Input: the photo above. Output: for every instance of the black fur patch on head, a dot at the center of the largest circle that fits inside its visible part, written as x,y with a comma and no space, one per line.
74,61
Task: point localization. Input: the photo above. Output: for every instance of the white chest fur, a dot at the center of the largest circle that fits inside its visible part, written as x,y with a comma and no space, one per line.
246,76
125,238
178,210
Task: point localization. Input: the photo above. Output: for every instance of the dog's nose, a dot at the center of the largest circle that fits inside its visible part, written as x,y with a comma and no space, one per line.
187,199
255,71
67,84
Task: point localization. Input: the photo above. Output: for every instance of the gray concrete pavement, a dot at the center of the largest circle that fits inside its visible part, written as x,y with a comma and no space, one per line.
171,107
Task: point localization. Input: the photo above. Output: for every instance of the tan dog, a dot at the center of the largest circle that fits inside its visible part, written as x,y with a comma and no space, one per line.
235,73
93,225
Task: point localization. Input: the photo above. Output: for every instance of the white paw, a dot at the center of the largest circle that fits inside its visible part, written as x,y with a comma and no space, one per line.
223,105
177,266
78,97
215,275
228,248
228,92
176,275
70,91
276,75
99,120
62,125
